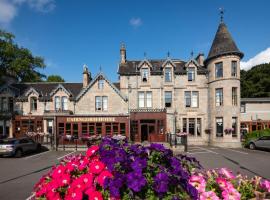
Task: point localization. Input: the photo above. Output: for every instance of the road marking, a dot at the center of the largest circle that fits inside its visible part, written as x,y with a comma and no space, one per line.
199,152
39,154
31,197
237,151
208,150
66,155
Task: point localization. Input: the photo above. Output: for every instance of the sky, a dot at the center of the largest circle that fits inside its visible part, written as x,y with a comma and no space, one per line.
71,33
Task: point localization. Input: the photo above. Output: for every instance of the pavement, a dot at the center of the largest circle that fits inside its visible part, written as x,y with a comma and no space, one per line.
19,175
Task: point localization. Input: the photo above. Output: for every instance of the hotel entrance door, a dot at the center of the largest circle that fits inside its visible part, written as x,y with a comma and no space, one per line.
147,129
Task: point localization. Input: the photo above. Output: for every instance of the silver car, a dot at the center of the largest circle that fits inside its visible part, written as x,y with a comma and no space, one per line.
260,143
18,147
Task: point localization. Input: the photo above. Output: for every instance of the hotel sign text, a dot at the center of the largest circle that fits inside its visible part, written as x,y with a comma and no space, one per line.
90,119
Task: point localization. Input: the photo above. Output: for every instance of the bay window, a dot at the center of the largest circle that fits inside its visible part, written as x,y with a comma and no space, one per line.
219,97
219,70
219,127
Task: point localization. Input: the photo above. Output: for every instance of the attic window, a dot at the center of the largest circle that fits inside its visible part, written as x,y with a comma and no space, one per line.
145,74
191,74
168,74
100,84
33,103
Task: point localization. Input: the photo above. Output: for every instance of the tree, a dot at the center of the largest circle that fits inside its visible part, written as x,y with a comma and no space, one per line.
18,61
55,78
256,81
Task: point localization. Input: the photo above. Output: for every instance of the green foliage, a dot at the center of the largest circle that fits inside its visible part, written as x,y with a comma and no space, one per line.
55,78
18,61
254,135
256,81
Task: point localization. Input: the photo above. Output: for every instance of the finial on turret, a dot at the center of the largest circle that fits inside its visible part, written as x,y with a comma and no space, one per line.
85,68
144,55
221,13
168,54
191,54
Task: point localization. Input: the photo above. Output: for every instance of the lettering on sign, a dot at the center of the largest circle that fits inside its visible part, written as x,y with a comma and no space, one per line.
90,119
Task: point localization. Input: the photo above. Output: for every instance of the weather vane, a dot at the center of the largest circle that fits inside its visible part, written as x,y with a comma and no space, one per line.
221,13
100,68
144,54
168,54
192,53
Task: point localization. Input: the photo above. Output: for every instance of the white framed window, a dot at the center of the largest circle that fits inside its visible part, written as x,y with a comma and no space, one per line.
33,103
192,99
57,103
219,70
234,126
145,99
219,97
101,103
105,103
234,68
168,99
141,99
101,84
219,127
234,96
168,74
191,73
145,74
148,99
64,103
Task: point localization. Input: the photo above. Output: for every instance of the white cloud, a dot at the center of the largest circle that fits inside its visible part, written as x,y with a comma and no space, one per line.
7,12
260,58
9,8
135,22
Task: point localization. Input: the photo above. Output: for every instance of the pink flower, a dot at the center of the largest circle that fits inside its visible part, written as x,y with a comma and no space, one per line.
103,175
87,178
198,182
64,180
74,194
266,185
222,182
58,171
95,195
228,174
208,196
231,194
96,167
92,150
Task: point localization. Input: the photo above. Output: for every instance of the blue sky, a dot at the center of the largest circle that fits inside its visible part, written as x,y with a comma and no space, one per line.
70,33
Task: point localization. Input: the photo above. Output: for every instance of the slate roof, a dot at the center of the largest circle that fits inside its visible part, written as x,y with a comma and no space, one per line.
131,67
223,44
44,89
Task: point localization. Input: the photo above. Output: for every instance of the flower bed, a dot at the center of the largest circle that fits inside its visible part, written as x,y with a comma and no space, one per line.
118,170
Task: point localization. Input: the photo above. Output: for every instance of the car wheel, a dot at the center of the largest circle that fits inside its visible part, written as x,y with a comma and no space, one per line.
18,153
252,146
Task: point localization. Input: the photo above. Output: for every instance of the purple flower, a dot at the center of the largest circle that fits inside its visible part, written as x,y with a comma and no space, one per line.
161,181
136,181
139,164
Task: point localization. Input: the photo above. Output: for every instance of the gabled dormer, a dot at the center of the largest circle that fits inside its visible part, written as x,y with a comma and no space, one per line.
168,68
145,68
191,68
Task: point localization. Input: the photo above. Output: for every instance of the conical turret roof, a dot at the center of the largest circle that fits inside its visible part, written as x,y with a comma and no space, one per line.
223,44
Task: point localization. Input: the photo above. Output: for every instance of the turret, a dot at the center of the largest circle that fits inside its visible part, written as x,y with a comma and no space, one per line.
223,64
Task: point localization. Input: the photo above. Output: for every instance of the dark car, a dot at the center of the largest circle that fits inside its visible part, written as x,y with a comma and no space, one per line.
18,147
260,143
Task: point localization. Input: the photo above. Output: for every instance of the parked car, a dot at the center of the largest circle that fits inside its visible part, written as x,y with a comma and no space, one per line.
18,147
260,143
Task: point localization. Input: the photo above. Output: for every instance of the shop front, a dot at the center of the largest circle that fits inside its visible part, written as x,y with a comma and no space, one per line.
148,125
26,125
83,127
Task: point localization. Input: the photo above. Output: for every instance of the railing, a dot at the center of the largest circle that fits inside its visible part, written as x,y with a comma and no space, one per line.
41,138
60,111
177,140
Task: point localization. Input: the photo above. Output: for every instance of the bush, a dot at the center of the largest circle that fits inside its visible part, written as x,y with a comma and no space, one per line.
254,135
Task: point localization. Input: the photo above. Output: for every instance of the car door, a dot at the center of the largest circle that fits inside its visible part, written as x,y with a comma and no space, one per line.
267,142
32,145
260,142
24,145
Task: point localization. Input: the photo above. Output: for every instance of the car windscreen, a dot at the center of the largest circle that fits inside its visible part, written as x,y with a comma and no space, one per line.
7,141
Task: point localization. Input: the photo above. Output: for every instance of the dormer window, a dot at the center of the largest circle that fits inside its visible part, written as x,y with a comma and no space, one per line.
64,103
57,103
145,74
100,84
168,74
33,103
191,73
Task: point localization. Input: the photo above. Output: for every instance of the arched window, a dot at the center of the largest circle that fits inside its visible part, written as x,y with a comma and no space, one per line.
33,103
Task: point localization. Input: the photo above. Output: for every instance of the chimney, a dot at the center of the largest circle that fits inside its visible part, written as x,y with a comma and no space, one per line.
86,76
200,59
123,53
